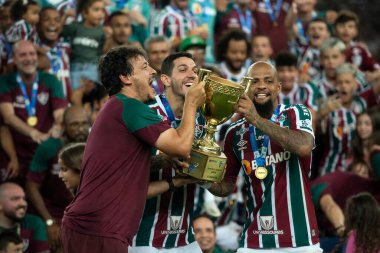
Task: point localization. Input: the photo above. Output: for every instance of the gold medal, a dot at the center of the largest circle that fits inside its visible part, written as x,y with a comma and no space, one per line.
32,121
261,172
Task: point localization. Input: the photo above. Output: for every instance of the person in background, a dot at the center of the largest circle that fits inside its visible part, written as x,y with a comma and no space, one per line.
11,242
157,49
205,234
13,217
31,103
70,162
87,41
261,48
5,46
362,224
195,46
232,52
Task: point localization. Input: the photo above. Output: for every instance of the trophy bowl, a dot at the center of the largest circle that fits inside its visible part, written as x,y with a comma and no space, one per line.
207,161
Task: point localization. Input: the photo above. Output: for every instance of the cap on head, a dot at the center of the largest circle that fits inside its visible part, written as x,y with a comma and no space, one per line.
192,41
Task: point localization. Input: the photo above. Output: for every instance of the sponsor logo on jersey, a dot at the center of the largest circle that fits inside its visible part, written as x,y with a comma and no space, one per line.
242,131
175,223
274,158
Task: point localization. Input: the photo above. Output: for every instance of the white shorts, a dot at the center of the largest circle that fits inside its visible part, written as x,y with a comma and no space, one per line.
306,249
191,248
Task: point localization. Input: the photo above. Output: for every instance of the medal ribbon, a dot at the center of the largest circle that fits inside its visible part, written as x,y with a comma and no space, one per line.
246,22
30,104
169,112
273,14
301,30
260,156
55,57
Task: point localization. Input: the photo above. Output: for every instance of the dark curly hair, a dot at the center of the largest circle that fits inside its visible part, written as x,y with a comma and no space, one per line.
233,34
362,215
20,7
115,63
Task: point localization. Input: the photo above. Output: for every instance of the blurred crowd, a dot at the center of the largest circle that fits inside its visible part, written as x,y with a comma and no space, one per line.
51,94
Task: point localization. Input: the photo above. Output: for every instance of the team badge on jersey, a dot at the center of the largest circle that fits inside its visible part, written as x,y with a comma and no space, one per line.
267,222
175,222
43,98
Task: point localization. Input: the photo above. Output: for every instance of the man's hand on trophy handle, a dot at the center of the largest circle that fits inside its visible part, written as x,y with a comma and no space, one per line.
179,165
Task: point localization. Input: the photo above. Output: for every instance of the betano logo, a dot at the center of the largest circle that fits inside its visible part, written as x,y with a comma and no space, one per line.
274,158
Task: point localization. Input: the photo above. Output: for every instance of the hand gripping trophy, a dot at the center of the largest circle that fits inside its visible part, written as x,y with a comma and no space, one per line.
207,161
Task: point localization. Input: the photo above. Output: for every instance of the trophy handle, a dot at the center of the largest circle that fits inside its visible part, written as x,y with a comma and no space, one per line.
203,74
246,82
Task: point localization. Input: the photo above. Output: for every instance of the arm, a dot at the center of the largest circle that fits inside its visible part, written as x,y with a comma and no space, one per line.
222,189
11,119
333,213
290,23
9,148
179,141
298,142
158,187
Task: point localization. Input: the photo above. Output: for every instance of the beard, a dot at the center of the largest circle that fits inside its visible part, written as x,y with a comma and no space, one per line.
12,216
231,66
264,110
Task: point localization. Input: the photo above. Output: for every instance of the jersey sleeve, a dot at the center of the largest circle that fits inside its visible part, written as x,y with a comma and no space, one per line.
302,118
142,121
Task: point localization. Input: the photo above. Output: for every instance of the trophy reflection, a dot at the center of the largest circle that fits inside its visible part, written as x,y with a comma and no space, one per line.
207,160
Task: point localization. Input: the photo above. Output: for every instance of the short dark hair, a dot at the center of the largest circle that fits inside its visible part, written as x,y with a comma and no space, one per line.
9,237
20,7
115,63
286,59
319,20
345,16
168,64
84,5
116,14
233,34
48,7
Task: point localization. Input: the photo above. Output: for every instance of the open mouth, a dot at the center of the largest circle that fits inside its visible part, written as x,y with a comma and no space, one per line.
189,84
261,95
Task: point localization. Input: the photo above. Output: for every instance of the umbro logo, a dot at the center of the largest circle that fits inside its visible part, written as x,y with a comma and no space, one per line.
242,144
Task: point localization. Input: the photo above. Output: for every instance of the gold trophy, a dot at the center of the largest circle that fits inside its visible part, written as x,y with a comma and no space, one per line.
207,161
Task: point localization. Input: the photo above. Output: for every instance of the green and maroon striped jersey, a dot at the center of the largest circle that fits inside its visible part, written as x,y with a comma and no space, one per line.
340,128
280,210
167,218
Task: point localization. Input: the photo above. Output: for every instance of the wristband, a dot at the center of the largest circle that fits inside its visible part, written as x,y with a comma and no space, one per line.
172,188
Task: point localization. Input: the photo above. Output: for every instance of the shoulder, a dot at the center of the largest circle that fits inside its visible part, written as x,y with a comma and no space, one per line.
32,221
300,110
237,126
50,145
49,80
7,82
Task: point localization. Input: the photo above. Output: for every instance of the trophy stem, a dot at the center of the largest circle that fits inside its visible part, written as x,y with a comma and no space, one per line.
208,143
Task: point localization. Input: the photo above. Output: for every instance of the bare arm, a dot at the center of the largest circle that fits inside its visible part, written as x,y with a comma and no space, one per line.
222,189
333,212
11,119
178,142
298,142
9,148
158,187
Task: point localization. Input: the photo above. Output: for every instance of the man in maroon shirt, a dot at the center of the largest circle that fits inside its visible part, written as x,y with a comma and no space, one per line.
105,213
31,103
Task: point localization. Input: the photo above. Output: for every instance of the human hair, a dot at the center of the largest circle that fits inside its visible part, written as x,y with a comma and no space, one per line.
206,217
168,63
47,8
222,46
357,143
84,5
7,3
72,155
117,14
285,59
346,68
345,16
262,35
117,62
362,215
155,39
319,20
9,237
20,7
332,43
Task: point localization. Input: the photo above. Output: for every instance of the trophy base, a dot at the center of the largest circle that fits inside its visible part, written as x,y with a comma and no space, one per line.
206,166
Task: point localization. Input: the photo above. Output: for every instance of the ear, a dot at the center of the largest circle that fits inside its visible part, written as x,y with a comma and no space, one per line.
125,79
166,80
279,87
